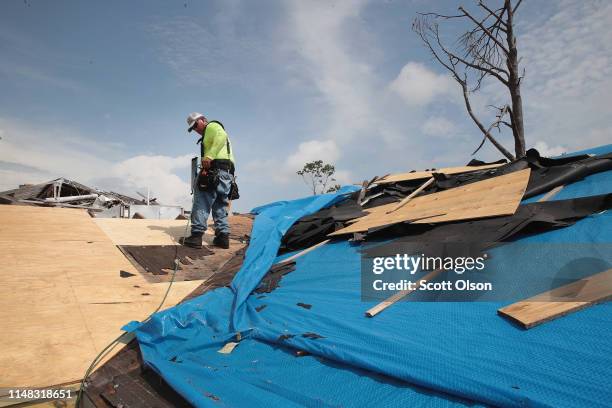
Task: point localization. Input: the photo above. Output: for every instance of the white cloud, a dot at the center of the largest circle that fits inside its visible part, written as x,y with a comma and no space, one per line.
566,50
419,86
34,155
320,33
284,171
344,177
570,53
30,74
549,151
51,150
210,50
568,61
157,173
437,126
349,99
325,150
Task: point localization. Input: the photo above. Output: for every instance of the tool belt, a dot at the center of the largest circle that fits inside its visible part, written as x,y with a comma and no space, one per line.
210,180
223,164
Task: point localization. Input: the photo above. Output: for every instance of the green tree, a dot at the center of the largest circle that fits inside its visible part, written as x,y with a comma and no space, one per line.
318,175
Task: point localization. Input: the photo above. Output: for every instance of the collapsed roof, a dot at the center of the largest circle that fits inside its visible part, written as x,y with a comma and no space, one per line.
62,192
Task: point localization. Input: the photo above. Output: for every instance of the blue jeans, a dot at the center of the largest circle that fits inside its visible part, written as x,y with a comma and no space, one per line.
215,200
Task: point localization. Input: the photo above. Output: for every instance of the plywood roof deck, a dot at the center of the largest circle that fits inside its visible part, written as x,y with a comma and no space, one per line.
61,296
131,231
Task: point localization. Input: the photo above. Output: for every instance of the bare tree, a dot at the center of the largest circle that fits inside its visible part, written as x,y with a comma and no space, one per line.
486,50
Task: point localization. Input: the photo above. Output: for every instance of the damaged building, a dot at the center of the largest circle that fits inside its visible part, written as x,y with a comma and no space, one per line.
66,193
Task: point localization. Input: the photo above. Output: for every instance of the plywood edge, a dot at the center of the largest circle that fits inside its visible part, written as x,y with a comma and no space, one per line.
416,175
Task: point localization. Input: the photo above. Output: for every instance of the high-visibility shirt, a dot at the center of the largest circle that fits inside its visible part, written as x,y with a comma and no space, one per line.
216,144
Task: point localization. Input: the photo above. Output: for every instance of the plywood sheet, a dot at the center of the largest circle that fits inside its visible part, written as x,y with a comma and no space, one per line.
124,231
560,301
61,295
491,197
416,175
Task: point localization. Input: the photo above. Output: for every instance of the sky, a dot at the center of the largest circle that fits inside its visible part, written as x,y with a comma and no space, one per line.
99,92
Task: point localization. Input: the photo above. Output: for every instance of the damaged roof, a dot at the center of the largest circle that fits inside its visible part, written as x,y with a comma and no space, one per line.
296,311
48,192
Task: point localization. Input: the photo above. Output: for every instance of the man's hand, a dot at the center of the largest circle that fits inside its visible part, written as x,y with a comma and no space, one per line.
206,163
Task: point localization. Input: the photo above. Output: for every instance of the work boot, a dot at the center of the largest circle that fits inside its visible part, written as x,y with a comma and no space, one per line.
193,241
221,240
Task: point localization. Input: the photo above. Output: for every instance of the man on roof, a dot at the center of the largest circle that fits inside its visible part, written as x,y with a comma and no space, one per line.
212,189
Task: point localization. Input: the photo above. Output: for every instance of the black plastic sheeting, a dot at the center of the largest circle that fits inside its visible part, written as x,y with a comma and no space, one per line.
311,229
546,174
532,218
272,279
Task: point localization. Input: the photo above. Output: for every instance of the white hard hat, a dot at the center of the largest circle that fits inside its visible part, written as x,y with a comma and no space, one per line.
192,119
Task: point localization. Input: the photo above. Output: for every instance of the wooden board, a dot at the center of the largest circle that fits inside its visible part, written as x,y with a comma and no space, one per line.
416,175
61,296
396,297
560,301
491,197
129,231
550,194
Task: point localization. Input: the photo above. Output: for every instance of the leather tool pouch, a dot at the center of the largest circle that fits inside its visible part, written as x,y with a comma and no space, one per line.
234,194
209,180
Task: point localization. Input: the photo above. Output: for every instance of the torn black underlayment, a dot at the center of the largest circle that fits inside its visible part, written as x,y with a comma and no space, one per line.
532,218
546,174
272,279
309,229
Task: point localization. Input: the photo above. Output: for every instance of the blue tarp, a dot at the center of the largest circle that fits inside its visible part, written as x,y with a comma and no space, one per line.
272,222
413,354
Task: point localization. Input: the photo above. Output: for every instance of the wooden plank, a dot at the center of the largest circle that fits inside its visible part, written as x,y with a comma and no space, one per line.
304,252
560,301
391,300
62,298
411,195
491,197
228,348
550,194
416,175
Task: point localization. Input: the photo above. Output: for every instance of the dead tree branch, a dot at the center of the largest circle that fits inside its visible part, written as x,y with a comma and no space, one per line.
486,50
